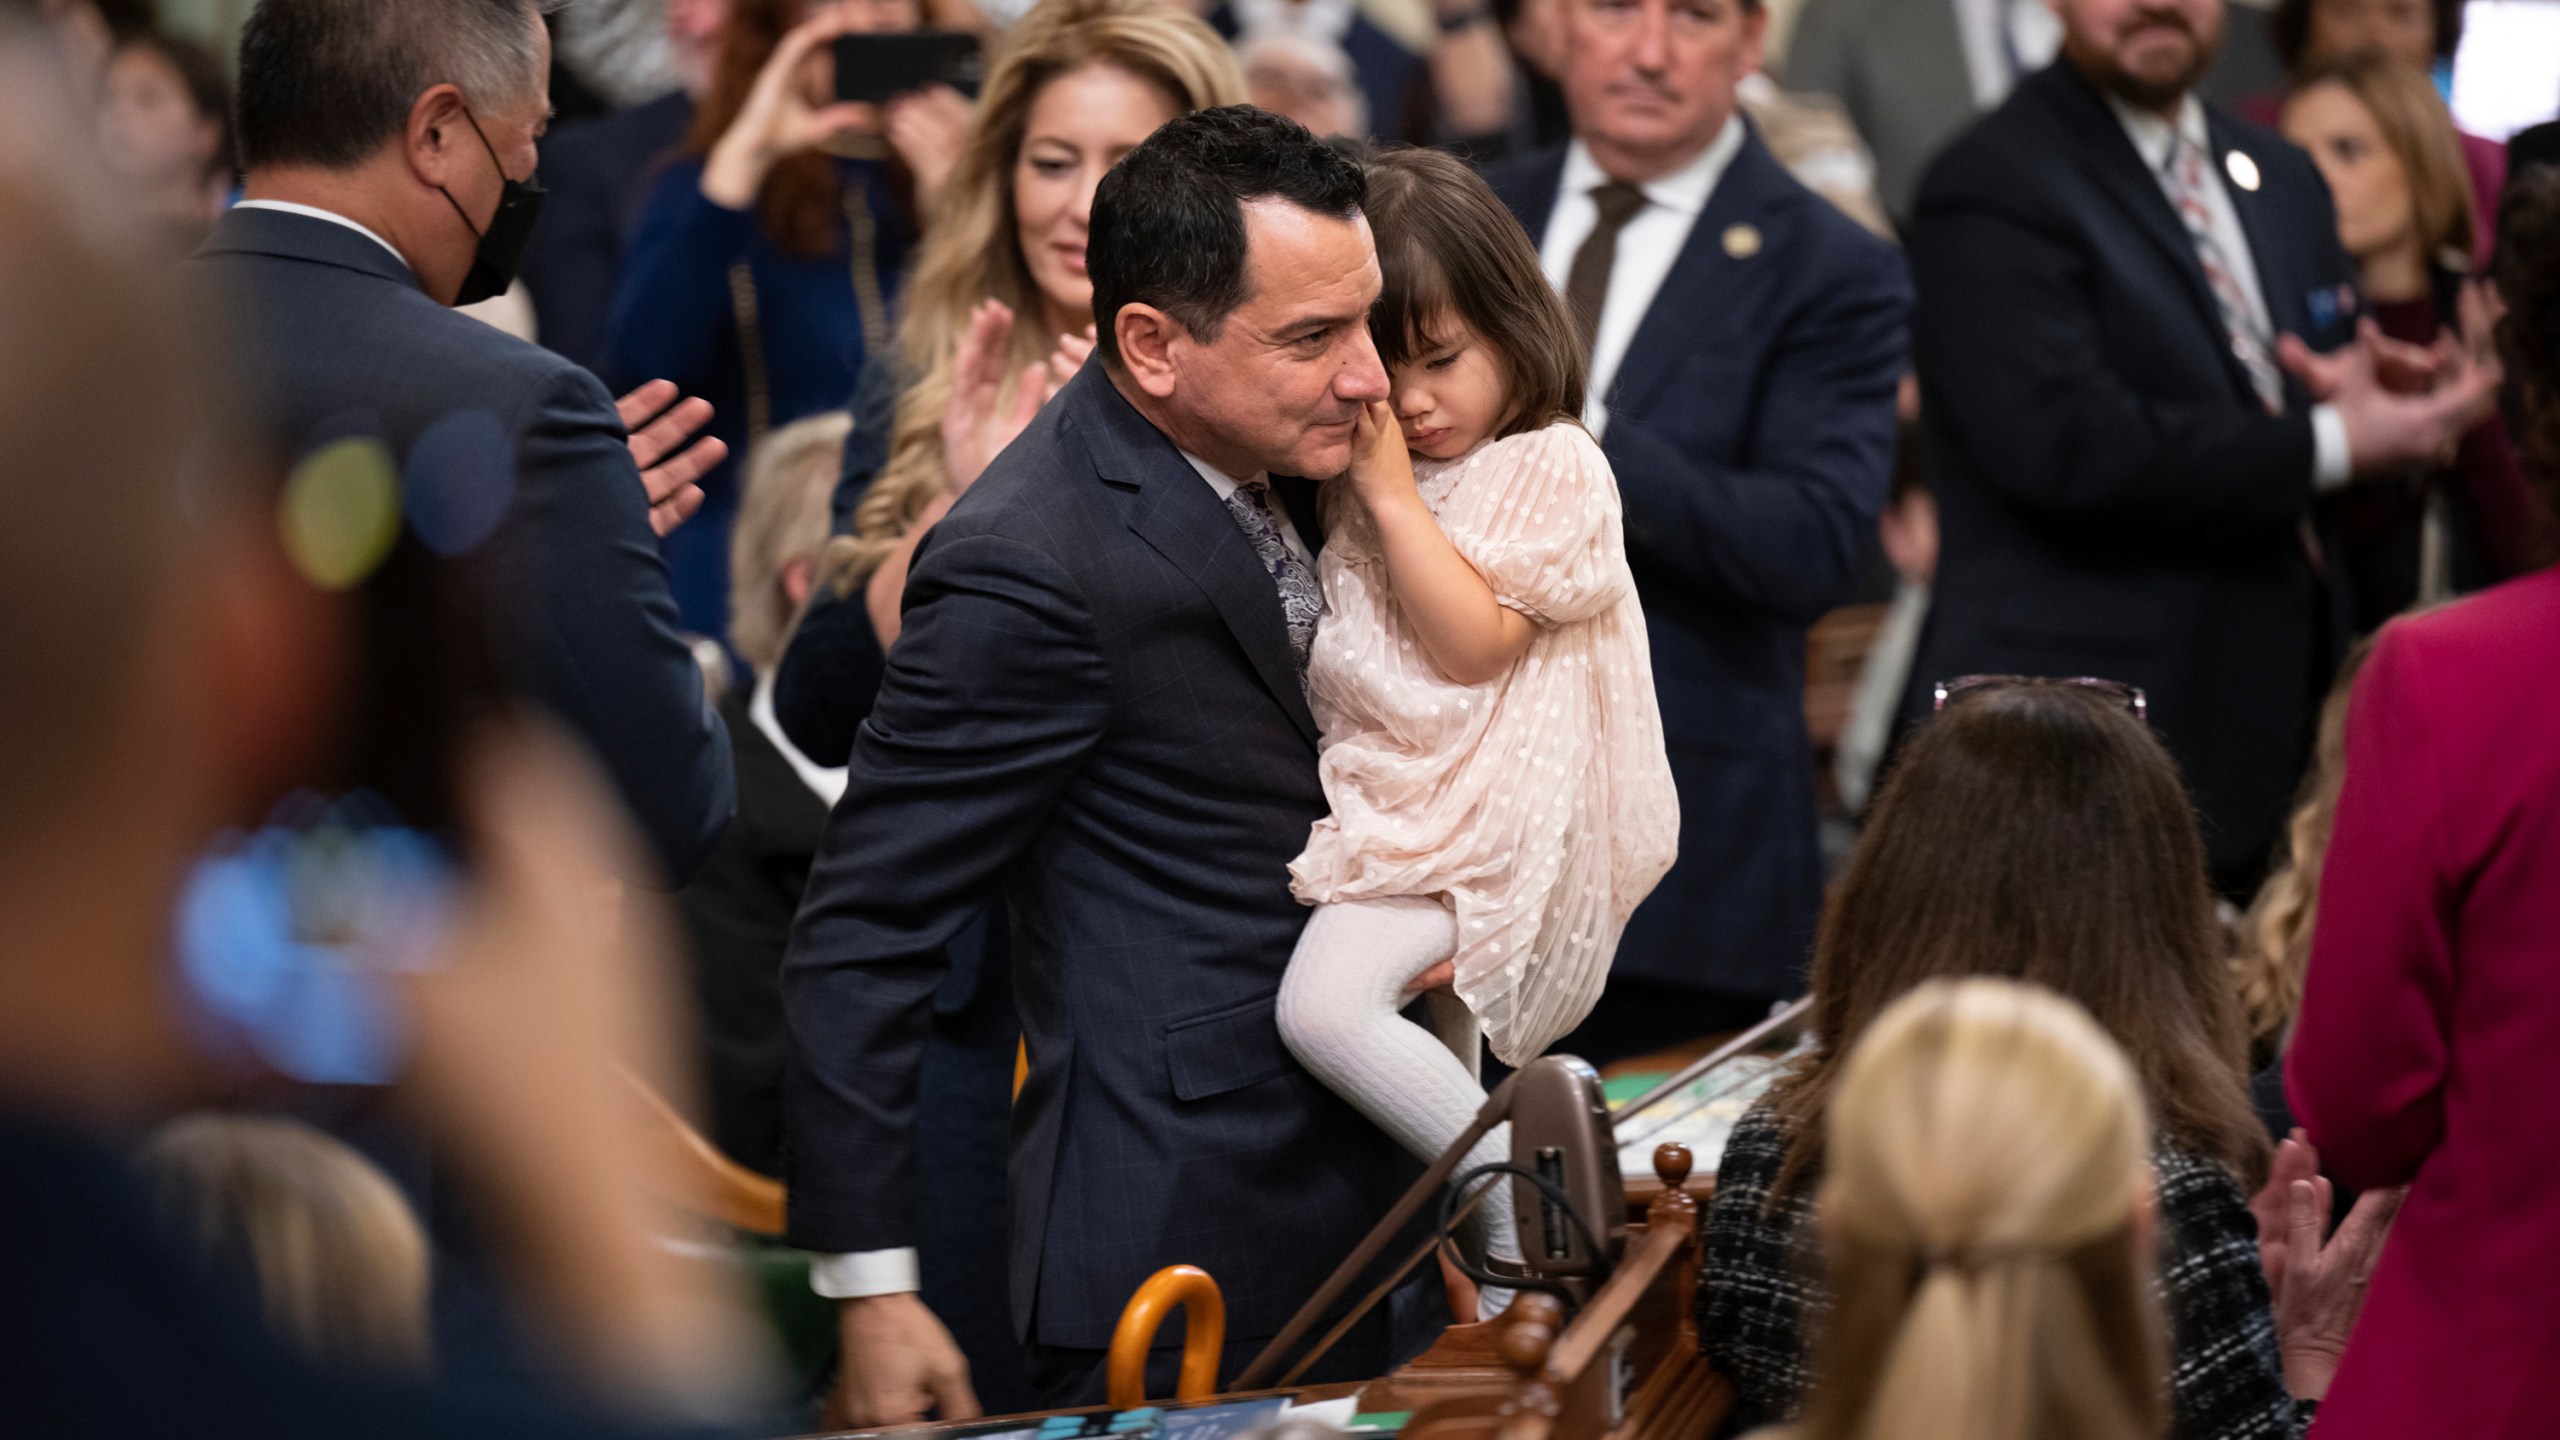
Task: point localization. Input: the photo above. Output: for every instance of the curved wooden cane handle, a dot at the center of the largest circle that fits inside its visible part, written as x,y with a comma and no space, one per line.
1204,1336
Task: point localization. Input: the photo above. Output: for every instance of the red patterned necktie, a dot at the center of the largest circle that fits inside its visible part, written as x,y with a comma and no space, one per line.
2249,340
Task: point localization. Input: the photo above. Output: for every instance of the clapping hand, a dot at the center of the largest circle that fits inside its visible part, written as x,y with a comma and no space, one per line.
2403,404
2319,1285
659,424
979,422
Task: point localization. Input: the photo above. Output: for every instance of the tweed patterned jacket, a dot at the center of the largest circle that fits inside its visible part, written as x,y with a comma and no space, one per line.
1762,1296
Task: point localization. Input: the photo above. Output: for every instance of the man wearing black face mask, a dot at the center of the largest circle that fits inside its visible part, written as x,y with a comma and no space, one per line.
390,153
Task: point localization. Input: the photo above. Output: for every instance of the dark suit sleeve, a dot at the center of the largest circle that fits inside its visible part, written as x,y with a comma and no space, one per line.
1785,533
2010,351
831,672
996,694
613,665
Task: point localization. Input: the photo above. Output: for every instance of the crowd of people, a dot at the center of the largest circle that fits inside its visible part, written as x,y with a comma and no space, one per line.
1068,663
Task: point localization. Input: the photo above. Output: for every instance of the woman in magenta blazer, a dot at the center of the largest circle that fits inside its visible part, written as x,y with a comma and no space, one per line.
2428,1052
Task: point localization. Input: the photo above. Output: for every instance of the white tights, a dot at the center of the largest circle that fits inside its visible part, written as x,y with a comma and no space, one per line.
1339,1013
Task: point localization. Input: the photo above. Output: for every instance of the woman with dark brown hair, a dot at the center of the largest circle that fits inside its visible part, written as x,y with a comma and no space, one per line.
763,264
2035,830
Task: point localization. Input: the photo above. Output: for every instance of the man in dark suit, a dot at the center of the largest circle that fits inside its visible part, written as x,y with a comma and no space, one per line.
2117,283
1096,709
381,190
1745,339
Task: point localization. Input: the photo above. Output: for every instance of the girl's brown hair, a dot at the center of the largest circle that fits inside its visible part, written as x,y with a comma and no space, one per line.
1448,248
2038,832
972,252
2414,123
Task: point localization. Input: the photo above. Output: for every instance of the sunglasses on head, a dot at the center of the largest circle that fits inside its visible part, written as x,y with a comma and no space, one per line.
2128,696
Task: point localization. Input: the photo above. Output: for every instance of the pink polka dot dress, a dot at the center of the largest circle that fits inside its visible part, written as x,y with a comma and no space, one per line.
1537,805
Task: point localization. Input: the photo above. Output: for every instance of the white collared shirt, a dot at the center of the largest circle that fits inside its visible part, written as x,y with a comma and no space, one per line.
1325,21
2152,137
314,212
1995,68
1226,485
825,782
1648,245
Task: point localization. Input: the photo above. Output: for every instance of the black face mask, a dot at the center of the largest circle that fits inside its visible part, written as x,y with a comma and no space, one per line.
501,248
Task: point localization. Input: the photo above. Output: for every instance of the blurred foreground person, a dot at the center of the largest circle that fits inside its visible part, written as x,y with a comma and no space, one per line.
1988,1223
386,148
173,672
337,1257
164,126
2425,1054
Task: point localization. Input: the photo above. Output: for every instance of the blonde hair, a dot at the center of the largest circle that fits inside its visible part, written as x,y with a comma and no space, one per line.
2275,937
970,251
2415,124
782,516
337,1255
1987,1146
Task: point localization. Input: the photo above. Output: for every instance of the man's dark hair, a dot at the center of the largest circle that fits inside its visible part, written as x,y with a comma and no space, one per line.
1168,221
326,82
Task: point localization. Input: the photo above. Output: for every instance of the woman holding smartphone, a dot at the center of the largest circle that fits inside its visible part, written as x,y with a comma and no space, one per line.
765,261
998,314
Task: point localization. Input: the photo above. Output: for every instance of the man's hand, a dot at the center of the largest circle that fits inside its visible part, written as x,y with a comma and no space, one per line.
899,1364
2324,1284
668,467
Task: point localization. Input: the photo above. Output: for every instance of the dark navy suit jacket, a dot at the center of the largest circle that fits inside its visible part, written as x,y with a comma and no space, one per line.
2113,497
1093,710
597,171
1751,426
340,341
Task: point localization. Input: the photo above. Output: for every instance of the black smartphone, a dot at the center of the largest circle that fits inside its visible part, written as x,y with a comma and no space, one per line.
876,68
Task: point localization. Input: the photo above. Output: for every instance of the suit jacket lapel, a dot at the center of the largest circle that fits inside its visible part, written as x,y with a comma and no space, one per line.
1681,321
2107,156
1180,517
2280,278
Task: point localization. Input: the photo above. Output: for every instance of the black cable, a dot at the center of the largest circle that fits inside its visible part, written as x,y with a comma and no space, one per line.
1546,1187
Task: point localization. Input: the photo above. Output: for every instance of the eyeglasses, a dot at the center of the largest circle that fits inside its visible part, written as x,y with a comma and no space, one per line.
2129,696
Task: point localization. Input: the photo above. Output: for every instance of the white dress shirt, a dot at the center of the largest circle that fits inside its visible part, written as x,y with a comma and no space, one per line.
2152,139
863,1273
314,212
1648,245
1226,485
1996,62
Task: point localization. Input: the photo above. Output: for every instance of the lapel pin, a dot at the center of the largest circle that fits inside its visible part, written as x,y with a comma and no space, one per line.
2244,171
1742,241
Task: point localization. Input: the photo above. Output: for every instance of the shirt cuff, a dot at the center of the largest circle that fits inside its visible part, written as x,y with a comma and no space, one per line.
864,1273
2331,466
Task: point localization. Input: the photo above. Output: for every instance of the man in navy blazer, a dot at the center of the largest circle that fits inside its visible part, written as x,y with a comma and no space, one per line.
1747,341
2125,463
1095,708
376,160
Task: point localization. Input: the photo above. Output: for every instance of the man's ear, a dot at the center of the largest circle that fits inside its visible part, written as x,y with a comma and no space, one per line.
438,141
1755,36
1147,335
795,582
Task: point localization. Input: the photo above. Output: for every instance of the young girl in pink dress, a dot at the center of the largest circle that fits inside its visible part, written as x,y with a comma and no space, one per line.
1491,746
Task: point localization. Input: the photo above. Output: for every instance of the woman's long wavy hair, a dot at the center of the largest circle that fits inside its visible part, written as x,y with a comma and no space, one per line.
1988,1150
2038,832
972,252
